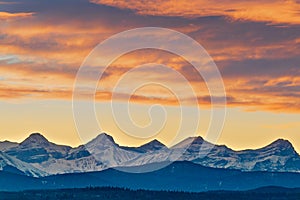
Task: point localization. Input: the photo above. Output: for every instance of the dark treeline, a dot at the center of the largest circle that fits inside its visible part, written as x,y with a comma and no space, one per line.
127,194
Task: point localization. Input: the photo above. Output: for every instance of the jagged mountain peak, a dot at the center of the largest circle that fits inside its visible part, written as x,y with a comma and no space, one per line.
282,147
104,137
152,146
281,143
37,149
190,141
102,152
102,141
156,142
35,138
197,140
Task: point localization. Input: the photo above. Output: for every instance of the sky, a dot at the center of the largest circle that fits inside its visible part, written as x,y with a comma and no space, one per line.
255,45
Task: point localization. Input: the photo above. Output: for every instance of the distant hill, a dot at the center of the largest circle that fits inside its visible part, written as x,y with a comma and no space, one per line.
178,176
126,194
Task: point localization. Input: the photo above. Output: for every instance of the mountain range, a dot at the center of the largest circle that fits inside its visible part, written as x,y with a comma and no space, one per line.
37,157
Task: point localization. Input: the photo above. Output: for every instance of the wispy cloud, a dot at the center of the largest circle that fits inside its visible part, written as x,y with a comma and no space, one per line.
9,16
267,11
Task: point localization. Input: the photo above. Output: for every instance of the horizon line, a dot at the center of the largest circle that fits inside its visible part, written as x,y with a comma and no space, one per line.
195,137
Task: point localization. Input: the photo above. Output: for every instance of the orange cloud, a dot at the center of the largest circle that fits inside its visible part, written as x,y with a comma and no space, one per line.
268,11
9,92
49,48
55,81
8,16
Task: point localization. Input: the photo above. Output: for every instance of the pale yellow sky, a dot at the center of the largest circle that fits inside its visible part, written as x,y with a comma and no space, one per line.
54,119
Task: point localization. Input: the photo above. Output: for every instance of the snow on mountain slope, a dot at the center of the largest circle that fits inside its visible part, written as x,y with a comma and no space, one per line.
36,156
6,145
279,156
62,166
36,149
104,149
99,154
48,158
19,166
152,152
191,149
102,153
202,152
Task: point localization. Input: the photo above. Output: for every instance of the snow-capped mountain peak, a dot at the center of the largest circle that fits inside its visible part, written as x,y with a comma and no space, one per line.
280,147
104,149
37,149
102,140
44,157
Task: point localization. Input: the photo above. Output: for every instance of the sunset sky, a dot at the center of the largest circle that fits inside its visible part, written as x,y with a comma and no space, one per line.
255,44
